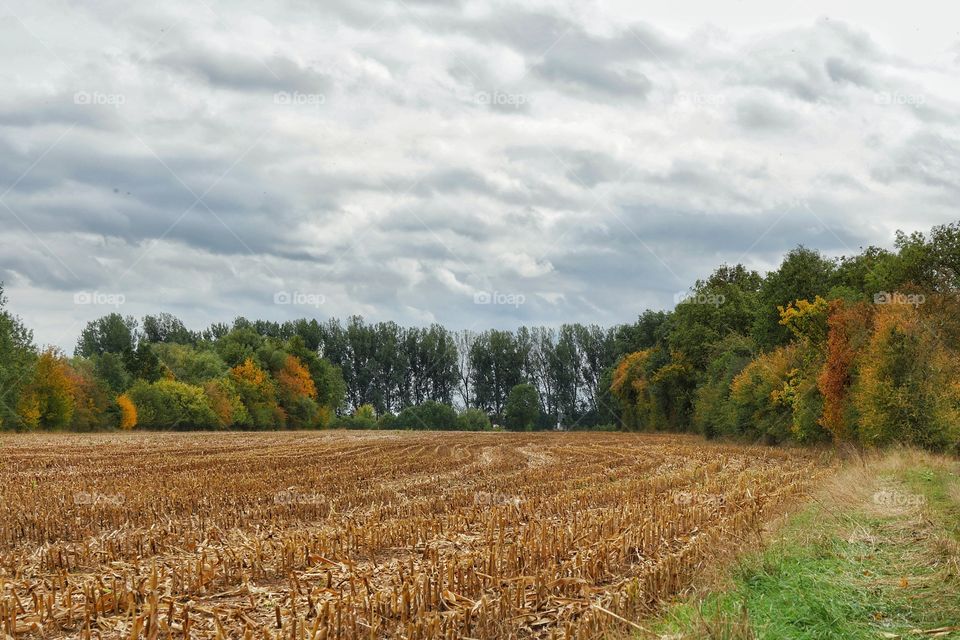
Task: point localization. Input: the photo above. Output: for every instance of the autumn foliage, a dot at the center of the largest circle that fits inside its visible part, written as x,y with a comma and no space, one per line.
630,386
48,398
849,330
907,388
128,412
258,392
853,371
294,379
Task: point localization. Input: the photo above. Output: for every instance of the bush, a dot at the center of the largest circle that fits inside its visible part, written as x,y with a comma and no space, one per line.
430,415
597,427
190,365
168,404
259,395
473,420
907,391
729,358
758,406
364,417
226,403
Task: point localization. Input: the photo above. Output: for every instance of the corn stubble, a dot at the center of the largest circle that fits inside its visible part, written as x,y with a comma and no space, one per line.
367,535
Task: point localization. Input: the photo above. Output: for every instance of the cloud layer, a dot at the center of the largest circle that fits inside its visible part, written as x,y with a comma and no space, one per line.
397,159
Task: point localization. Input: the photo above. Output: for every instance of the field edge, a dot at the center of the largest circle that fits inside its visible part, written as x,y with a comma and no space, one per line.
876,553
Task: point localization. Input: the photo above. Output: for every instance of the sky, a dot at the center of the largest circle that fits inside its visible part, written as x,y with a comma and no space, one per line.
473,163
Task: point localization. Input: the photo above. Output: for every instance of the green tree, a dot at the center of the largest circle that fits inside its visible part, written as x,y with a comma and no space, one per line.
143,363
804,274
190,364
498,362
724,303
523,408
167,328
110,334
728,359
110,368
17,357
241,343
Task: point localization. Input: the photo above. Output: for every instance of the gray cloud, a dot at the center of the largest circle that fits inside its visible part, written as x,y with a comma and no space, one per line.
399,157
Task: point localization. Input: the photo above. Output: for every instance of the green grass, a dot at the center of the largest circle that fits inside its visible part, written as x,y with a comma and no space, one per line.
845,569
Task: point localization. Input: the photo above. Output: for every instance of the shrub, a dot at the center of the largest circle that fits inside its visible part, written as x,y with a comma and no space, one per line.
471,419
760,406
387,421
226,403
430,415
907,391
364,417
259,395
168,404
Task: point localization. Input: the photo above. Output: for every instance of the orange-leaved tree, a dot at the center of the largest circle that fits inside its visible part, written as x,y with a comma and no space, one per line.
259,395
848,334
226,402
91,397
298,393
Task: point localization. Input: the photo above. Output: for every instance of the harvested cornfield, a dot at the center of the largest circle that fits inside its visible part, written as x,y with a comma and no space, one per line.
367,534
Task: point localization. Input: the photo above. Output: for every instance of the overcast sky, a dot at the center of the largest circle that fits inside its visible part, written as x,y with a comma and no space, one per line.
405,160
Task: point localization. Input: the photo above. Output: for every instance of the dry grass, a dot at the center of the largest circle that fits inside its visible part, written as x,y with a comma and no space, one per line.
366,534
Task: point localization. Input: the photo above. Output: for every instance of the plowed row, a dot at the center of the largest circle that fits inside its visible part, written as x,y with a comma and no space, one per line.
367,534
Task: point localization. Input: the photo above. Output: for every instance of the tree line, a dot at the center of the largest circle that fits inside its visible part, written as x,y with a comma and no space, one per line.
157,373
859,348
862,349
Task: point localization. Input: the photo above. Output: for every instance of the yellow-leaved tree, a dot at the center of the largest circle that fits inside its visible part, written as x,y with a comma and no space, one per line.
47,399
128,412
